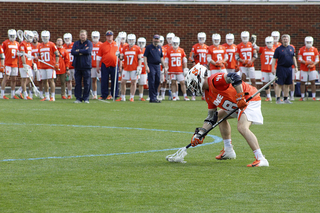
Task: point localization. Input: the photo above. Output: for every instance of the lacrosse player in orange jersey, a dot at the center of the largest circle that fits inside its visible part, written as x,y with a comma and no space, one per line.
294,71
266,57
95,35
1,61
68,44
10,49
308,57
231,48
49,64
131,55
177,62
276,36
142,77
227,92
64,63
217,56
246,55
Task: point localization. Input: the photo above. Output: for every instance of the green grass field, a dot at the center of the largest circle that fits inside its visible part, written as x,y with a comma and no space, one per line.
110,157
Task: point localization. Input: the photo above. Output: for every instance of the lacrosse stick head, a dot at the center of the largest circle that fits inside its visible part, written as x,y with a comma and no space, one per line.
195,78
20,35
122,37
178,157
35,36
12,34
36,92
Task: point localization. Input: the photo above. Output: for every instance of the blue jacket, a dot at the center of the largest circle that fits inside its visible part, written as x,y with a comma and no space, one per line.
82,58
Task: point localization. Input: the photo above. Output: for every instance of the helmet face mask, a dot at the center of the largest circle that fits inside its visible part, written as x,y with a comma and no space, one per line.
95,35
308,41
45,36
123,37
67,37
216,39
142,42
269,42
170,36
195,79
276,36
202,38
35,37
175,42
12,34
161,41
230,39
131,39
245,36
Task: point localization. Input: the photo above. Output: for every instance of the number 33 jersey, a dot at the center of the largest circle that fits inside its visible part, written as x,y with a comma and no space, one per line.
226,98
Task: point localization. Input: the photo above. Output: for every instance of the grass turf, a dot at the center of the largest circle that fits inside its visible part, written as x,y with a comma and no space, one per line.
70,161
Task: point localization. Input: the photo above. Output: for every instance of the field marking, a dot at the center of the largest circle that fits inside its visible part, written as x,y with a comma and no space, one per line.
216,140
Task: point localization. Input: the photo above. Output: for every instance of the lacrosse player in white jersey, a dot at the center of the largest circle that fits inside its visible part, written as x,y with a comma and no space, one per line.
68,44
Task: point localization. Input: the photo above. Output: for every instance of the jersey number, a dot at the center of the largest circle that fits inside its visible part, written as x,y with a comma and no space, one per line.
175,62
228,105
45,56
247,55
202,57
14,52
230,57
71,57
130,59
268,59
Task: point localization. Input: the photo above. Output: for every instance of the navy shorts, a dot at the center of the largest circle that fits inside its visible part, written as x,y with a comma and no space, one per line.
284,75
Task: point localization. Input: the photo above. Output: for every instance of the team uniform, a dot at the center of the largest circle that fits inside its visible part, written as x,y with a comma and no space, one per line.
174,60
94,52
266,63
245,52
199,54
143,76
25,48
1,52
232,63
46,52
71,68
64,61
35,52
217,54
130,62
10,49
164,52
308,74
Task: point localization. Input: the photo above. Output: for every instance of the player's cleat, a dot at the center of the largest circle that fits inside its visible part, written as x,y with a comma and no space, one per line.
163,97
41,97
268,99
94,97
226,154
186,98
159,98
292,98
63,97
28,98
202,98
15,97
287,101
120,99
21,96
257,163
86,102
314,99
52,99
174,98
77,102
193,98
69,97
148,99
45,99
279,102
142,99
109,97
301,99
178,99
5,97
131,100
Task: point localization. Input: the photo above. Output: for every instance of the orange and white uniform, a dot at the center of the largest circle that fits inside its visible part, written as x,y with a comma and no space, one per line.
223,95
164,52
266,63
71,68
10,49
25,48
143,76
306,55
199,54
175,59
130,61
2,57
35,52
217,54
232,62
64,61
95,50
246,52
47,54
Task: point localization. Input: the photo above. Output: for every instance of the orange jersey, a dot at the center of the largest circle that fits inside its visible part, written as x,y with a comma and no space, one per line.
95,50
199,53
217,54
245,52
35,52
64,60
226,99
1,49
69,48
277,45
307,55
47,54
266,58
10,49
175,60
130,57
26,48
231,51
142,64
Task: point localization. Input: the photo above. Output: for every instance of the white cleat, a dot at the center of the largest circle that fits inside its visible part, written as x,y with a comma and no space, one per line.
178,99
193,98
258,163
226,154
174,99
186,98
291,98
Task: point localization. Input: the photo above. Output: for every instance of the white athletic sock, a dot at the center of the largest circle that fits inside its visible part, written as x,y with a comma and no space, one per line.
95,93
227,144
53,95
163,92
20,90
258,154
184,95
2,93
25,94
268,96
282,94
123,97
30,93
12,93
131,96
177,93
70,92
141,95
291,93
47,95
313,95
41,93
302,95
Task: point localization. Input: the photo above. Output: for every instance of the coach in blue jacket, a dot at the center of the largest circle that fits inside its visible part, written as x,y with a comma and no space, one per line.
81,51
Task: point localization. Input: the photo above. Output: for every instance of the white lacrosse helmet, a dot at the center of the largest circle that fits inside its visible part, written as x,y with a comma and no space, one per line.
67,37
202,37
175,42
12,34
308,41
216,39
229,37
35,34
269,41
28,35
45,36
170,36
195,78
142,42
123,36
131,39
161,41
245,36
276,36
95,35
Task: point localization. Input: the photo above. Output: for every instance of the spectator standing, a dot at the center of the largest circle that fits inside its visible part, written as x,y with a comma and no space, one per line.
64,61
82,64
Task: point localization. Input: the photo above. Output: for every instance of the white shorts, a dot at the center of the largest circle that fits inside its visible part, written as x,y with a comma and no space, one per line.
174,77
71,76
216,71
308,76
36,74
47,74
24,74
129,75
94,73
162,78
253,112
143,79
267,76
1,75
11,71
248,71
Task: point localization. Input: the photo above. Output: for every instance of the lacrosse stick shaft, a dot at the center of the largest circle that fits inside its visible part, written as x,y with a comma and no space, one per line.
234,110
42,61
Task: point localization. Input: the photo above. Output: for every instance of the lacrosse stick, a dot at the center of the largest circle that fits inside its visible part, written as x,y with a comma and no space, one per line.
34,88
178,157
118,39
20,35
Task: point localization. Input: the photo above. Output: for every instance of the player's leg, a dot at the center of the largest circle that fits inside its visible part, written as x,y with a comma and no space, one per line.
181,79
63,85
123,86
69,83
142,82
313,75
174,87
286,86
252,76
4,82
45,85
133,89
94,76
13,79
